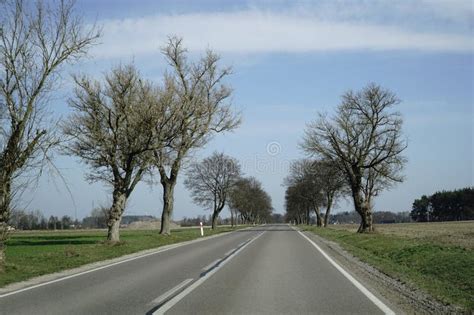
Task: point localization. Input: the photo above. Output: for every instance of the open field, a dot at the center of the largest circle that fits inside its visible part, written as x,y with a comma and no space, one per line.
436,257
35,253
459,233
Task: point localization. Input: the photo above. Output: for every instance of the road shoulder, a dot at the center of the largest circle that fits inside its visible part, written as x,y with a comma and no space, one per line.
401,297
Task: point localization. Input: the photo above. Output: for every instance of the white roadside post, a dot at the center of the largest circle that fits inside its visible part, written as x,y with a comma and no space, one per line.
202,230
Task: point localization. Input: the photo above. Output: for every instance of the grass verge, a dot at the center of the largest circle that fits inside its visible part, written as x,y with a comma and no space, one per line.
442,269
31,254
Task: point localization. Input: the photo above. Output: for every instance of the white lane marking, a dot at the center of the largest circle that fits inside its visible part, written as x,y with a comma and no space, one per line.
229,252
212,264
165,307
170,292
111,265
358,285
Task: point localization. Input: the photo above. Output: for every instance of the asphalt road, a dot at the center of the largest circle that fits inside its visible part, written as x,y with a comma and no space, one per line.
270,269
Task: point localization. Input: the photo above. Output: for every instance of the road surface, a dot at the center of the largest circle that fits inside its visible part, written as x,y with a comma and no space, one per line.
271,269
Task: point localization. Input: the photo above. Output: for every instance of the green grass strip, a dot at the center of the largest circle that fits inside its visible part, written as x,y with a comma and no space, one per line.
445,272
31,254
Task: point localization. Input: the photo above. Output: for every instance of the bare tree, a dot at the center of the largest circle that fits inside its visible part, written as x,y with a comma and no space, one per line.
201,110
298,206
364,140
248,198
35,40
211,180
332,182
115,128
304,191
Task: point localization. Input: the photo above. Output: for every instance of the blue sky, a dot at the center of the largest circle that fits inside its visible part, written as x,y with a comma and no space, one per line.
290,61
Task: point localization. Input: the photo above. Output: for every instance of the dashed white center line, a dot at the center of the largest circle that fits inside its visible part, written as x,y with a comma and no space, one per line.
212,264
170,303
243,243
159,300
229,252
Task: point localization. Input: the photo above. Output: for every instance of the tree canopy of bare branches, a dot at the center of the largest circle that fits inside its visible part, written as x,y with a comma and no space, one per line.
36,38
312,184
333,184
115,128
364,139
250,201
211,180
304,193
201,106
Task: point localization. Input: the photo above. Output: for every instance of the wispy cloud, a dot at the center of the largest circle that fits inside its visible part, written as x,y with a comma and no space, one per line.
257,31
420,14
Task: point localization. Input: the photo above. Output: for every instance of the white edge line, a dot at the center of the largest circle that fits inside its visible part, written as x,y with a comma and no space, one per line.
358,285
170,292
172,246
165,307
212,264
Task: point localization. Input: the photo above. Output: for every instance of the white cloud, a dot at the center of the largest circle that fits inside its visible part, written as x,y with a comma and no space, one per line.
255,31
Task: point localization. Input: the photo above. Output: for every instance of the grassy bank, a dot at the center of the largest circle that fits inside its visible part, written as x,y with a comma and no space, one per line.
31,254
436,257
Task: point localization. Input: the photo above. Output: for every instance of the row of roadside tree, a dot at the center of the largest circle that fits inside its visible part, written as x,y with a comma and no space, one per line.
217,181
125,128
356,152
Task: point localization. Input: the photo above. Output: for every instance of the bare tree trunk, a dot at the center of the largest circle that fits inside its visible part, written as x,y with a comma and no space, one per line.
215,216
113,234
5,198
363,208
2,250
328,211
231,218
168,201
115,216
366,222
3,239
319,221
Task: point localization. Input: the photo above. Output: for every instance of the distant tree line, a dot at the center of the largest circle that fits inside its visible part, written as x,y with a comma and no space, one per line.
456,205
35,220
28,220
380,217
98,219
207,220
